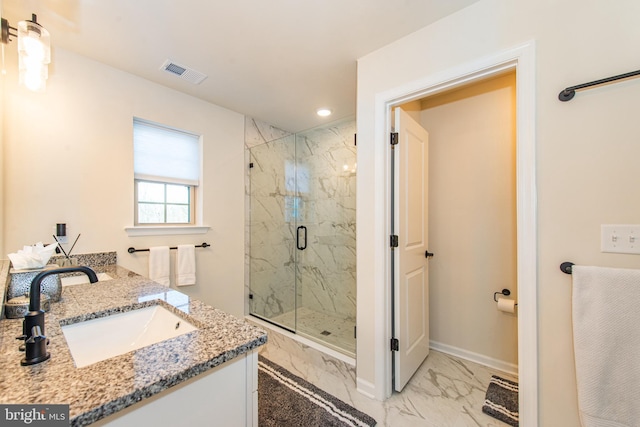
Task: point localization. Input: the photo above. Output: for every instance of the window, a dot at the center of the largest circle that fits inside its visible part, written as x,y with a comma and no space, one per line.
163,203
166,173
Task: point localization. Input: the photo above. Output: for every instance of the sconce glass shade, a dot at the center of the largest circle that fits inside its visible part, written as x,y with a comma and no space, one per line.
34,54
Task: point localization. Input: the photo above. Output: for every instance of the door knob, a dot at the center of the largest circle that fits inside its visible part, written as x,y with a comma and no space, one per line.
428,254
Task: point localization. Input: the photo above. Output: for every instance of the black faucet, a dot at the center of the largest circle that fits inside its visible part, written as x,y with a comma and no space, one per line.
33,325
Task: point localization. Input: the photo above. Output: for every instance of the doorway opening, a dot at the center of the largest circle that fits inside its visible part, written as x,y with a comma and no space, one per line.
455,195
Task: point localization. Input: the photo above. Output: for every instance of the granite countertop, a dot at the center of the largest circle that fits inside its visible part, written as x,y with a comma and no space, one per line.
101,389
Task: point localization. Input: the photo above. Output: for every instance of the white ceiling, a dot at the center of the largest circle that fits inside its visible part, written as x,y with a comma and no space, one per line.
274,60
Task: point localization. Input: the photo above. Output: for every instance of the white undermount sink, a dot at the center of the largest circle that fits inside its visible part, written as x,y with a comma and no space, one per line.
81,279
103,338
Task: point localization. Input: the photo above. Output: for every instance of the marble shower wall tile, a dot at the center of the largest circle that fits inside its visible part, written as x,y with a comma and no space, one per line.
257,132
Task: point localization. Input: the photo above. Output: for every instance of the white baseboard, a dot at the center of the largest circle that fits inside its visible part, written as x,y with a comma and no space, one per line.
500,365
366,388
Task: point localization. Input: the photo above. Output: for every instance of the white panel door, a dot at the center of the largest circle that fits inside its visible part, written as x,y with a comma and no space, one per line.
411,222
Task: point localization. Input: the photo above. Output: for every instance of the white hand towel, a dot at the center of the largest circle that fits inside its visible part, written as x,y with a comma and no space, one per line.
186,265
159,264
606,339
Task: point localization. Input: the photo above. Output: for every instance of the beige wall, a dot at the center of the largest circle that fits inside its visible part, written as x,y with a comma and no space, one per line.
472,219
586,151
68,158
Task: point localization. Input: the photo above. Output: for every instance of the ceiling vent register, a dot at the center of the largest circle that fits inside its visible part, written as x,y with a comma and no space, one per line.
183,72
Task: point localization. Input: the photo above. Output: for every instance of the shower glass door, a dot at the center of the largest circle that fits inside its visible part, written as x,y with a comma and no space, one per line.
326,268
302,220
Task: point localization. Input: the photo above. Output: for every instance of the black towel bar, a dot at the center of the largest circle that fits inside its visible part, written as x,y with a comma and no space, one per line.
132,249
568,93
566,267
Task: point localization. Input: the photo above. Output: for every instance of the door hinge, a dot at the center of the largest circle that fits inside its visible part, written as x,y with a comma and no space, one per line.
355,332
250,165
394,241
250,296
395,344
394,138
355,139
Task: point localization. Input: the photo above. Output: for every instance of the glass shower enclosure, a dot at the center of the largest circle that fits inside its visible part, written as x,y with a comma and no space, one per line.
302,240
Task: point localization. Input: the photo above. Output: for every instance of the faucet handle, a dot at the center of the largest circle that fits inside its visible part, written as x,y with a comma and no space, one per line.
36,347
36,335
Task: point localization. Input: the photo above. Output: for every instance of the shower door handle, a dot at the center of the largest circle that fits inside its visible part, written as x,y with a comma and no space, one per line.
303,228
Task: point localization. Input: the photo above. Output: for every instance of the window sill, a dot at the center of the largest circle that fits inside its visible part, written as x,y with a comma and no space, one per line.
165,230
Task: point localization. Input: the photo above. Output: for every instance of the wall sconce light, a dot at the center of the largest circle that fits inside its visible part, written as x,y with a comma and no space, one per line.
34,51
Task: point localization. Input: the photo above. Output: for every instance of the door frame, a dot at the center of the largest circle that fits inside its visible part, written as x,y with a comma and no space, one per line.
522,60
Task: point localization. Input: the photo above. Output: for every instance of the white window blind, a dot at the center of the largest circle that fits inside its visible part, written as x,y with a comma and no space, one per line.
165,154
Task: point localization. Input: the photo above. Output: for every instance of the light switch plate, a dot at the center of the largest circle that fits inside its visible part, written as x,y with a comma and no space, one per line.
620,238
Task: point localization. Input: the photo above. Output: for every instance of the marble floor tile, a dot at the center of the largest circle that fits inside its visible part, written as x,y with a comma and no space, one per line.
445,391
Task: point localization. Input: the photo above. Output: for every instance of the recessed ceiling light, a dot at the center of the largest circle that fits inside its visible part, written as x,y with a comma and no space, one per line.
323,112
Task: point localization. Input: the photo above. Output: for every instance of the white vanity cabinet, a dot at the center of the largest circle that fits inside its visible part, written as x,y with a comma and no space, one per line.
225,396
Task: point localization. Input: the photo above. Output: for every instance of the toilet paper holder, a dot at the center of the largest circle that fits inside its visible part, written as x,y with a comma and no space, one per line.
505,292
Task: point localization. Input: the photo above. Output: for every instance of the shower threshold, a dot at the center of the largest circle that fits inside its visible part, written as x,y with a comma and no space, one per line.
328,330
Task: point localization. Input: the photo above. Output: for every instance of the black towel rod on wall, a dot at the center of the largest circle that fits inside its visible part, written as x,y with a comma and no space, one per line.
567,267
132,249
570,92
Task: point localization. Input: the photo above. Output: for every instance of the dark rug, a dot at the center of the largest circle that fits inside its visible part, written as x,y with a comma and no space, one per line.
286,400
501,401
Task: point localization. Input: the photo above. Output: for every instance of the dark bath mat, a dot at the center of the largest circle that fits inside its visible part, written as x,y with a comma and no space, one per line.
285,400
501,401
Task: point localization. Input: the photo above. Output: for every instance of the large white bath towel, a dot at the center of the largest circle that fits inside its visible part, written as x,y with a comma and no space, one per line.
186,265
159,266
606,339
